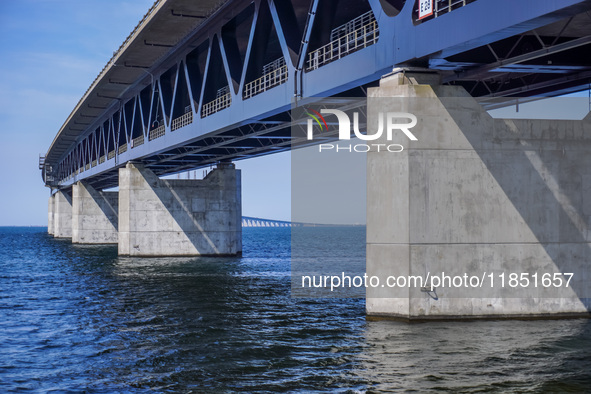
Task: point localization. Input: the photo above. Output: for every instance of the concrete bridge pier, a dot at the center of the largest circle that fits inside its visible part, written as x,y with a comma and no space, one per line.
62,214
159,217
94,215
476,197
50,213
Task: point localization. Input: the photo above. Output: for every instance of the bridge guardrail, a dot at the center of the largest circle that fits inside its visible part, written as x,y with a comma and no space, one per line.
221,102
440,7
156,133
351,42
137,141
266,82
179,122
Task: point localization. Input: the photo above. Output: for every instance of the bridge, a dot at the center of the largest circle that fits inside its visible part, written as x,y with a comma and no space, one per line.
248,221
207,83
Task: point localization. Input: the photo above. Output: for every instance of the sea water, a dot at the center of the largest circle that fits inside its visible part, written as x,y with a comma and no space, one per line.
79,318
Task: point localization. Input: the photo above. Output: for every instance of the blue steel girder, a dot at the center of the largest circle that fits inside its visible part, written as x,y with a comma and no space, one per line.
201,130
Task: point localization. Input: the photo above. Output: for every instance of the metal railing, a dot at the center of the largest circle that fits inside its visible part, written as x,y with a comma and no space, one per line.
352,25
221,102
111,155
351,42
137,141
93,163
444,6
122,149
441,7
266,82
102,159
222,91
156,133
274,65
182,121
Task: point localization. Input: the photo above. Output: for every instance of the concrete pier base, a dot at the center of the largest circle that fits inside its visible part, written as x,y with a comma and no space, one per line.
62,217
160,217
50,213
94,215
480,197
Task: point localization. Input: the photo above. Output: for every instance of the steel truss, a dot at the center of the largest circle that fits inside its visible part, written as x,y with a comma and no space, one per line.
225,90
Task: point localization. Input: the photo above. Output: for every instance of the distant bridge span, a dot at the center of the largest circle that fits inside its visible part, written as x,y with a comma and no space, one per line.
248,221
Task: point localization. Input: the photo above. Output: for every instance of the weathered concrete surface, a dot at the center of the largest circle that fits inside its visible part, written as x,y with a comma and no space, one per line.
50,213
62,218
477,195
160,217
94,215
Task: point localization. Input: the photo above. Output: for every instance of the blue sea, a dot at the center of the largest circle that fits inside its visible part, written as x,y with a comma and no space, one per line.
80,319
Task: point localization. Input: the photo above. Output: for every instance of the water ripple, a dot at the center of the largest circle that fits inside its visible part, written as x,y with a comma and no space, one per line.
80,319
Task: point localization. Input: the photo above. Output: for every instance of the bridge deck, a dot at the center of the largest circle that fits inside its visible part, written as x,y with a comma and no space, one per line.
198,82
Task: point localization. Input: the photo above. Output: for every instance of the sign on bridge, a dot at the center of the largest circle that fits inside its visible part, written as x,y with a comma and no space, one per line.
425,8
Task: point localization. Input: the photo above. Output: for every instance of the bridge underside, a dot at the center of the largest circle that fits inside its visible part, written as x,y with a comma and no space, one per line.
219,86
549,60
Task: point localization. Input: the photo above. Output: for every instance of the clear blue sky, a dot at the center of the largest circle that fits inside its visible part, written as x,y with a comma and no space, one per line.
50,52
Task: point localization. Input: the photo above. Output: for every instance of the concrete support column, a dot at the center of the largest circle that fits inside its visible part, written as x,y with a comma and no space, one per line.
94,215
62,218
50,213
478,196
159,217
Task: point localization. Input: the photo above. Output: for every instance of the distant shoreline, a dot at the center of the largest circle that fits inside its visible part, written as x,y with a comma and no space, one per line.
27,226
